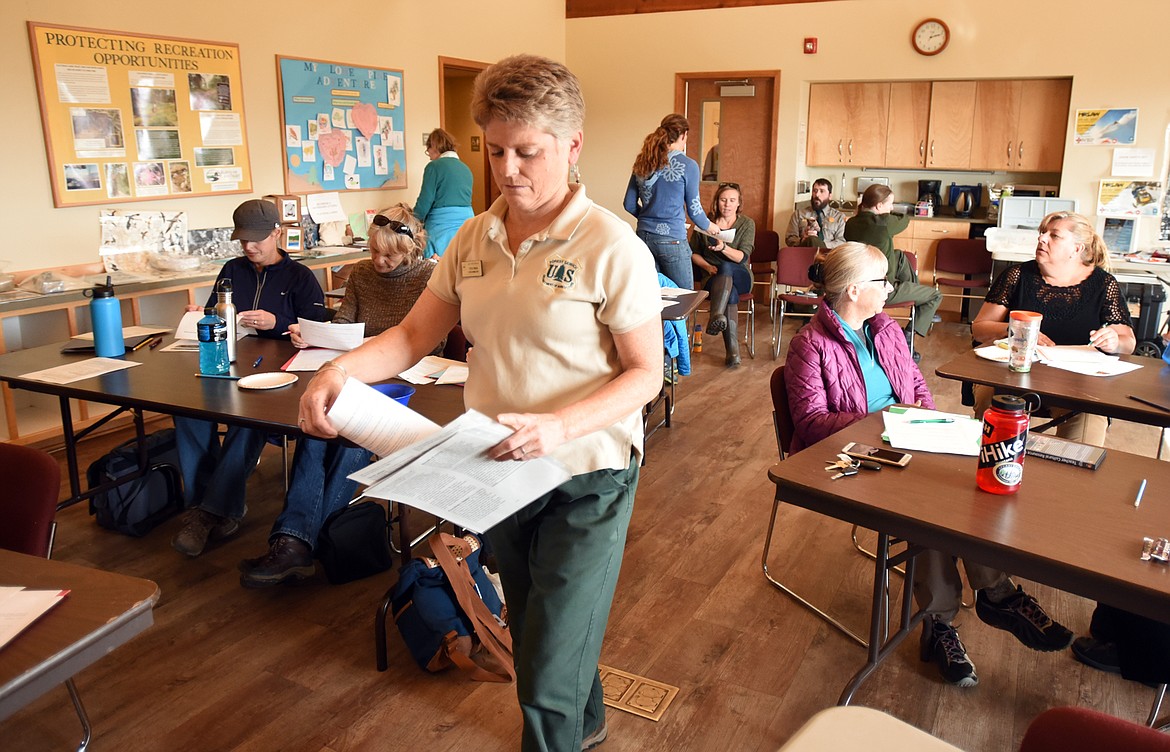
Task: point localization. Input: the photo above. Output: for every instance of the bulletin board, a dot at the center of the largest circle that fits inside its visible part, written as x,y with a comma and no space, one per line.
136,117
343,126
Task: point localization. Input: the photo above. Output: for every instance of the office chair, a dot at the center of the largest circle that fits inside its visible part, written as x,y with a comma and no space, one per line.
1071,729
31,480
792,273
967,258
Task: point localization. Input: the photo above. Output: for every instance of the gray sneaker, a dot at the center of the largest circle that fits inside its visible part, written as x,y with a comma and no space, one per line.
199,526
596,738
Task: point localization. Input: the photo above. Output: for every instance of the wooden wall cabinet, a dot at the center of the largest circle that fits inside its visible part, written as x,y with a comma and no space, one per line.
847,123
1021,125
998,125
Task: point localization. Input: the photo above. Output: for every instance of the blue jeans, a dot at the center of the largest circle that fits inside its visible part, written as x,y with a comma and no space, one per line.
559,559
741,279
215,473
672,257
318,487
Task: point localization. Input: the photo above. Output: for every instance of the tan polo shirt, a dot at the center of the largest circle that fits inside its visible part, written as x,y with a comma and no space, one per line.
542,321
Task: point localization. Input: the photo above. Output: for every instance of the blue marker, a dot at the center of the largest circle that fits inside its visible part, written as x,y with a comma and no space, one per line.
258,361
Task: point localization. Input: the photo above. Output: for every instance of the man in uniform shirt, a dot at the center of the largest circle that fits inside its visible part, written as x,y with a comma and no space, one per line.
818,224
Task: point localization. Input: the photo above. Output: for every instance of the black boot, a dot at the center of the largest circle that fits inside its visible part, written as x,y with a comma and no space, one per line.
720,294
731,336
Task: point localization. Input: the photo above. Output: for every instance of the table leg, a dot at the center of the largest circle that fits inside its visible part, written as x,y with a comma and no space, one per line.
881,643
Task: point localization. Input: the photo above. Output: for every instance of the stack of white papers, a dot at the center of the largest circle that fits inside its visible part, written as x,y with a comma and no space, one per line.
1084,359
932,431
436,370
19,608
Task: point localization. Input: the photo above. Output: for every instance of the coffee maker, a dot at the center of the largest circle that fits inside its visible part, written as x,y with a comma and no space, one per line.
928,190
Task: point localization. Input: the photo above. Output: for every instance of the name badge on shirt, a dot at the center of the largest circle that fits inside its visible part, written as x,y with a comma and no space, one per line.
472,268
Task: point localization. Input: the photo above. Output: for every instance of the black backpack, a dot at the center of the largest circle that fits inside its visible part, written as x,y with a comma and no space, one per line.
138,506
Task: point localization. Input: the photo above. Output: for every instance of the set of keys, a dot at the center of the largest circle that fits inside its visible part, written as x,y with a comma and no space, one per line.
845,466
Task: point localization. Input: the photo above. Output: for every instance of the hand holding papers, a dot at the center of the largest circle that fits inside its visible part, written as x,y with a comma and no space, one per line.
931,431
445,472
450,475
433,369
343,337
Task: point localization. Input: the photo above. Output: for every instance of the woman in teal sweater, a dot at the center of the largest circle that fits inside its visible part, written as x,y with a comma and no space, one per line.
444,202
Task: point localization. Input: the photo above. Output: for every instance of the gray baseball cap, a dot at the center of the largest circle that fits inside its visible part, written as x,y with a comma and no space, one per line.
255,220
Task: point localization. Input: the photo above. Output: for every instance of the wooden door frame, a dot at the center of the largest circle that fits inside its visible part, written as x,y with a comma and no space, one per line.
680,101
460,64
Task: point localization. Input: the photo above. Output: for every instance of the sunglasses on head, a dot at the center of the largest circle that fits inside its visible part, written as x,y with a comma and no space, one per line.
394,225
733,186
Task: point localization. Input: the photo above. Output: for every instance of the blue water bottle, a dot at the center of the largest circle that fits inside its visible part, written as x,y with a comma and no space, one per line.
213,345
106,314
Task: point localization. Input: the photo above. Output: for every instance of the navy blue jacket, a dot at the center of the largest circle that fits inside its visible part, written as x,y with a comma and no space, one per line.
287,289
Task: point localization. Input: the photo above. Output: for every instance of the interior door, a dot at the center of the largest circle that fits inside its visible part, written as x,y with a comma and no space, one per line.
455,81
734,112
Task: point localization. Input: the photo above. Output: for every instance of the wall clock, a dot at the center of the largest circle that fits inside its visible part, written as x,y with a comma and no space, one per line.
930,37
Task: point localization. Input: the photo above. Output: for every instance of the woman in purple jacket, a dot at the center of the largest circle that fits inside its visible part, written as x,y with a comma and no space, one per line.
852,359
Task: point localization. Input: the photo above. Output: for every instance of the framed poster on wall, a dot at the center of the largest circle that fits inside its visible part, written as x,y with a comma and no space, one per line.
137,117
343,126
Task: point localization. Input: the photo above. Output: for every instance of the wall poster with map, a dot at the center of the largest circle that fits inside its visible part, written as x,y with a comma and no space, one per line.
135,117
343,126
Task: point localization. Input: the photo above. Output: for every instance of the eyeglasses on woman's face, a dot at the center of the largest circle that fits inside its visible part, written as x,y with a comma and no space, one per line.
884,282
394,225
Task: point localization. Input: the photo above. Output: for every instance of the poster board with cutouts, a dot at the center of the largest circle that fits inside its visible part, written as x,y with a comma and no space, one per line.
137,117
343,126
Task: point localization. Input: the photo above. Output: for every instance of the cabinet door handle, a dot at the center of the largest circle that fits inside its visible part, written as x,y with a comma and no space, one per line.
850,150
932,151
1020,153
840,149
944,232
922,148
1009,153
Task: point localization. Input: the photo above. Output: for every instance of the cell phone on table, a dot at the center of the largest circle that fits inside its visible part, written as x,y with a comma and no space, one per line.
884,456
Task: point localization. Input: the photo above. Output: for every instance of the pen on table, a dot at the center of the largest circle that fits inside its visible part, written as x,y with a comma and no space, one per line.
1151,404
1141,490
258,361
217,376
934,420
155,342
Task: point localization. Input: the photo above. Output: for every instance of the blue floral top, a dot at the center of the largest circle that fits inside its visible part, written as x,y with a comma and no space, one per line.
662,201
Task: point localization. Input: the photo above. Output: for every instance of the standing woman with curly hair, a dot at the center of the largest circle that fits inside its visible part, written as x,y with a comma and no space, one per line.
663,191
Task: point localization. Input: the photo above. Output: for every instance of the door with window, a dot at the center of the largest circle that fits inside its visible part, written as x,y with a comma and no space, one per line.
733,117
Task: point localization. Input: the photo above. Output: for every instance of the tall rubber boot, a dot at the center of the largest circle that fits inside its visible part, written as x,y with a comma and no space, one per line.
731,336
720,294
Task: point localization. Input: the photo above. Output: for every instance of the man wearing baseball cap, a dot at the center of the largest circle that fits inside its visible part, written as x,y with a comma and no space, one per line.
270,291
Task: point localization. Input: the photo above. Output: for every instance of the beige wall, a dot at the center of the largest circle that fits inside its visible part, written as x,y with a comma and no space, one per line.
400,34
627,64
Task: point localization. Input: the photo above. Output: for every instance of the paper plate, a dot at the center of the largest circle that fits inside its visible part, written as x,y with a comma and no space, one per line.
272,380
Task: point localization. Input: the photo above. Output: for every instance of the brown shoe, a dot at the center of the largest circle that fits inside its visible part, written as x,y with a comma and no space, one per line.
199,526
288,558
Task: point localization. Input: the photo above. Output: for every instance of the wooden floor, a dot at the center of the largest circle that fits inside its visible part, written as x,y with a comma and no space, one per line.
292,668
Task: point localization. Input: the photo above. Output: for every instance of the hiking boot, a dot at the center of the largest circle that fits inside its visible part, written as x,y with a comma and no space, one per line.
288,558
199,526
941,643
1021,615
596,738
1098,654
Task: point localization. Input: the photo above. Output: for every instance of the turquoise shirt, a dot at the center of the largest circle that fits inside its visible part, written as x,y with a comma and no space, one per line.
878,392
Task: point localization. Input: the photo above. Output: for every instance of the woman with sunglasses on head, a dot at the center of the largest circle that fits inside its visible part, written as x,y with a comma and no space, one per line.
379,293
851,360
444,201
723,264
663,191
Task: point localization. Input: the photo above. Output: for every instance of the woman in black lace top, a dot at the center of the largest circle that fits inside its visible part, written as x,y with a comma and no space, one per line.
1080,301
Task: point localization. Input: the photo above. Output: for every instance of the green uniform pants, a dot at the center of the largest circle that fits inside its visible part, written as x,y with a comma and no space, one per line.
926,301
559,559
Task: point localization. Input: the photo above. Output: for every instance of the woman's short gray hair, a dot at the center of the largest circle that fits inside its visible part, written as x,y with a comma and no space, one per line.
846,265
529,89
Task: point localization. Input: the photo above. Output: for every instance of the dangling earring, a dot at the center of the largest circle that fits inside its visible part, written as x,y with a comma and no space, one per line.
574,173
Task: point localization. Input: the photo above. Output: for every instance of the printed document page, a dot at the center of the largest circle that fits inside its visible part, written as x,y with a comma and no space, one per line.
449,475
916,429
370,419
19,608
82,369
334,336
